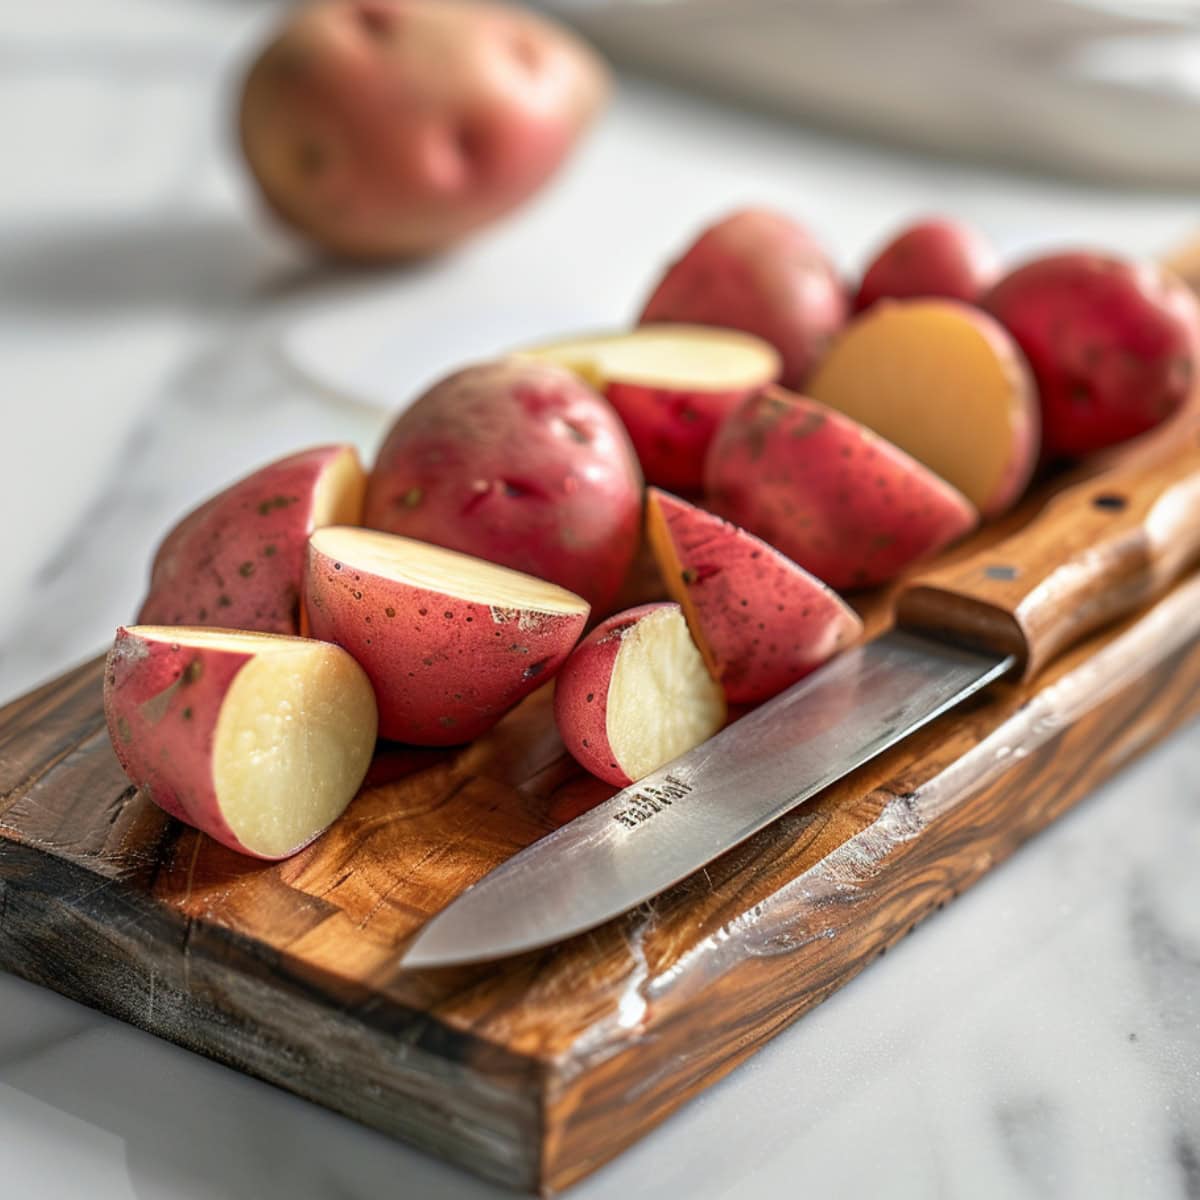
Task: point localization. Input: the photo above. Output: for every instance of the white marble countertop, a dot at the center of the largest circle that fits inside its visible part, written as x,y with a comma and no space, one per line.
1041,1037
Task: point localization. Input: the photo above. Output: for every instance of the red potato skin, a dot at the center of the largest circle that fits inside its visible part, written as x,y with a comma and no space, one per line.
842,503
236,562
520,463
936,257
761,621
1113,345
672,430
444,670
763,273
386,129
162,702
581,695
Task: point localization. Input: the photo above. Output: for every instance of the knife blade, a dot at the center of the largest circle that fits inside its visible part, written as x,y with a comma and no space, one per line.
1098,551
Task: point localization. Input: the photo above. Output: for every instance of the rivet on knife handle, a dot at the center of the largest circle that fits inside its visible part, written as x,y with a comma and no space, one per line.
1095,553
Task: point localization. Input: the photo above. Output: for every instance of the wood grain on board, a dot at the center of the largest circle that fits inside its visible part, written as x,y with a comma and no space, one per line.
537,1070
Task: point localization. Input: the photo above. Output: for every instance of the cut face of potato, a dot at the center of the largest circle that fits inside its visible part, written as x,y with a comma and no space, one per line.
661,699
671,385
422,565
260,740
678,357
339,491
636,694
293,741
450,642
946,383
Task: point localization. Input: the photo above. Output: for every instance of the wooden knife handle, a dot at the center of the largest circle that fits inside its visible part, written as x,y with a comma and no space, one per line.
1096,552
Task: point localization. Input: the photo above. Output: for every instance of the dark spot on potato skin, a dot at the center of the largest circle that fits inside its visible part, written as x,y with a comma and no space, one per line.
223,601
246,569
123,730
193,671
187,713
534,669
390,611
447,722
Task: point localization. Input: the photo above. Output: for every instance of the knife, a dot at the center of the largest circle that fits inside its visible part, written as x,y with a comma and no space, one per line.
1098,551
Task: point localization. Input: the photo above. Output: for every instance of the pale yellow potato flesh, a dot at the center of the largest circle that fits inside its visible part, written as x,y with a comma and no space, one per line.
293,742
661,699
930,379
447,572
678,357
338,497
294,736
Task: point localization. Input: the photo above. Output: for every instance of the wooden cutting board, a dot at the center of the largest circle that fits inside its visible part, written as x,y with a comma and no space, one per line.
534,1071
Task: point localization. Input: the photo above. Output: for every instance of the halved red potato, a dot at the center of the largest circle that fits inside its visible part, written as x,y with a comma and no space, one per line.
636,694
257,739
760,621
672,385
236,561
844,504
450,642
946,383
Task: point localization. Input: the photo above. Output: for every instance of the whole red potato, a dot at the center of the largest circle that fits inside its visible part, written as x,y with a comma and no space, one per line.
392,128
521,463
936,257
763,273
1112,343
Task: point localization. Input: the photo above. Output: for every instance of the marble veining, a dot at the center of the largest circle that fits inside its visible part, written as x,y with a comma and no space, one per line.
1038,1038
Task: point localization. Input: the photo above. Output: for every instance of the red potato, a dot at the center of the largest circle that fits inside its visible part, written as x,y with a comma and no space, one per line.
520,463
671,385
763,273
937,257
636,695
258,740
1113,345
389,128
450,642
236,561
760,621
841,502
946,383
